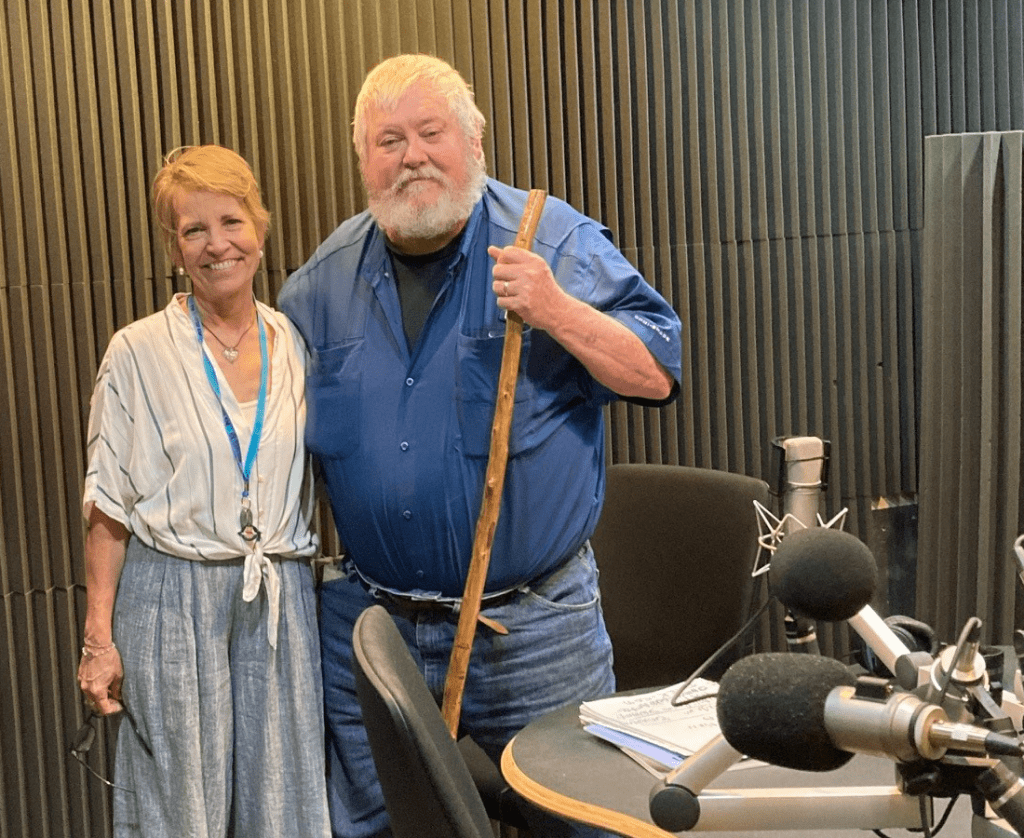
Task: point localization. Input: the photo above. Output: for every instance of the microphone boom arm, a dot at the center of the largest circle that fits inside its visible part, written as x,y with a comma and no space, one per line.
682,801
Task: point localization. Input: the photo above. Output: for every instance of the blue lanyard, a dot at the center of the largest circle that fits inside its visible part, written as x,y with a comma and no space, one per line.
248,531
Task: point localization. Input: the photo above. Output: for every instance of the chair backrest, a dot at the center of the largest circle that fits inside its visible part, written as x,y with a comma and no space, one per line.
675,546
428,790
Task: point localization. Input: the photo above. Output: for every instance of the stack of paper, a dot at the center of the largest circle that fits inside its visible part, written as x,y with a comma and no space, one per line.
648,727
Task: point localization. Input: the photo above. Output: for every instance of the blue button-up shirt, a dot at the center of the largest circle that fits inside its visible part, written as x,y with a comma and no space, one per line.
403,435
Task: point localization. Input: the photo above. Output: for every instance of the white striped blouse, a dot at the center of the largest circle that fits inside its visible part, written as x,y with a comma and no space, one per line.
160,461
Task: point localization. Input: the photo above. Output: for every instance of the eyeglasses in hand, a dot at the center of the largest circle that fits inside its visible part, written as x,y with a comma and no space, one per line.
86,736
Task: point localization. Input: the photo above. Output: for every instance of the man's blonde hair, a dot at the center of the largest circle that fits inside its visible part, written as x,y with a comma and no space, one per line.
388,81
204,168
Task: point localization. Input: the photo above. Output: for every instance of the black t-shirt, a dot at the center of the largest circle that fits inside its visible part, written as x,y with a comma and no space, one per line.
419,279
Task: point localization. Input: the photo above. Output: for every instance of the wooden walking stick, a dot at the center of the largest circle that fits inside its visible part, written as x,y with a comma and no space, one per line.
494,481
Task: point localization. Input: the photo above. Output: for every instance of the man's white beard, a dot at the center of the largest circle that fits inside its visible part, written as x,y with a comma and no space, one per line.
402,216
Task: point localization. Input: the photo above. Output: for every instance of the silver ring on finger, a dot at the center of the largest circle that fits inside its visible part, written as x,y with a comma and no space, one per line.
505,288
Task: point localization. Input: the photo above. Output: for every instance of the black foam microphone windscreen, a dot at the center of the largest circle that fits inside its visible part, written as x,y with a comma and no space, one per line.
771,707
822,573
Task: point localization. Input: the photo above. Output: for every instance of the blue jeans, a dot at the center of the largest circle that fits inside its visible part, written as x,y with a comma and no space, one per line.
557,652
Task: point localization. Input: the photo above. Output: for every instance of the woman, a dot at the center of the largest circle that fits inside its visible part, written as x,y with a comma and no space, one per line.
200,612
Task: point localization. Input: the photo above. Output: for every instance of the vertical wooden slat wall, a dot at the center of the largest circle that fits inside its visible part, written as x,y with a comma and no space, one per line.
759,160
971,482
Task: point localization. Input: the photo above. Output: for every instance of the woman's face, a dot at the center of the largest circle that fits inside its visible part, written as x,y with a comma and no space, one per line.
218,244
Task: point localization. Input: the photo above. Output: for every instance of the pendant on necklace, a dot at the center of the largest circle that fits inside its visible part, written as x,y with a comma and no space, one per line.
248,531
231,353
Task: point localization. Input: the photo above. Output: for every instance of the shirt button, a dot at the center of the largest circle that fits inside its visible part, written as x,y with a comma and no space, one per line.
407,514
408,382
404,446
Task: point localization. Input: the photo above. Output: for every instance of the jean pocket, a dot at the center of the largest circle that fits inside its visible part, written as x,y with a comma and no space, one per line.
332,400
573,586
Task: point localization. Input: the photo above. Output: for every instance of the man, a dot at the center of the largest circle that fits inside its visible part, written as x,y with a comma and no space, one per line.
402,309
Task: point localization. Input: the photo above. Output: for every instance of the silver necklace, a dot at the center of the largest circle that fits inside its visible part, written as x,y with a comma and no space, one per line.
231,352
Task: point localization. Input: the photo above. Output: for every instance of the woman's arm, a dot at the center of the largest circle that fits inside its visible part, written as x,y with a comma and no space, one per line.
100,671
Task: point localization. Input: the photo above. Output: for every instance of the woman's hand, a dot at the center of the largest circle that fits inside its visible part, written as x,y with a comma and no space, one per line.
99,678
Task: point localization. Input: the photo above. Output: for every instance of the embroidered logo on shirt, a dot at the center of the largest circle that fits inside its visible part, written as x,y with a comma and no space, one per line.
653,327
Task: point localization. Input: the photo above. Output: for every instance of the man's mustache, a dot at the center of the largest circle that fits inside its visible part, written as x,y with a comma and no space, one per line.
411,176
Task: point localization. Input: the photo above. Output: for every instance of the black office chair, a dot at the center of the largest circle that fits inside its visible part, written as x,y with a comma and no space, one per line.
428,788
675,546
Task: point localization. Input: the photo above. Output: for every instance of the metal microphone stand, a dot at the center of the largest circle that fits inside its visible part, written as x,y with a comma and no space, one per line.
970,687
958,681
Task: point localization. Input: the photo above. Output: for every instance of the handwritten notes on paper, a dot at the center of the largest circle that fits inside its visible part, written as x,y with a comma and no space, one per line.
651,719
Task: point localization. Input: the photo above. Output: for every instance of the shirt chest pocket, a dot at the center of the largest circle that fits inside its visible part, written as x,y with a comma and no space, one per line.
332,399
477,373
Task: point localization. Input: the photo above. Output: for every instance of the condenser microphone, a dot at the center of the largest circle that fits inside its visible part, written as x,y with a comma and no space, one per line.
822,574
806,713
805,459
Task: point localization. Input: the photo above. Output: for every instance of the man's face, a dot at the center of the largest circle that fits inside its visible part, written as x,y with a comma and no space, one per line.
422,173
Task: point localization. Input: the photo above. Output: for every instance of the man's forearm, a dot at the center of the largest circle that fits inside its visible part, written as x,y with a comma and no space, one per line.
612,354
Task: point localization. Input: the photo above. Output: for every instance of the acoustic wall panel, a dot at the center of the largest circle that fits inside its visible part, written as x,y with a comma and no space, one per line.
971,488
